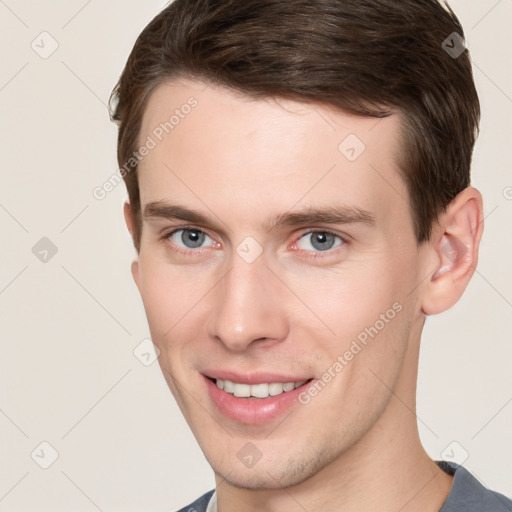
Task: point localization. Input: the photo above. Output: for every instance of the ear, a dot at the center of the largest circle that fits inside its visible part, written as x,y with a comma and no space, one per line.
453,251
129,219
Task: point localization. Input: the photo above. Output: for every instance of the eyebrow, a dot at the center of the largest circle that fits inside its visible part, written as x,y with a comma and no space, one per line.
312,215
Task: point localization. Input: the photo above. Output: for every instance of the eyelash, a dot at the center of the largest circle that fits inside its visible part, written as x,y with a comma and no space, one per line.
313,255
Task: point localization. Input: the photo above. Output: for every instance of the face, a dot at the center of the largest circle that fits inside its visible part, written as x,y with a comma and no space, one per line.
277,260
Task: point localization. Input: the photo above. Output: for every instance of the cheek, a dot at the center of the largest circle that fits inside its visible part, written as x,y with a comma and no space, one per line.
173,298
171,295
364,311
348,300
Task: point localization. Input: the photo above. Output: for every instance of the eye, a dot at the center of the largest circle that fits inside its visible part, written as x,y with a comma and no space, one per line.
189,238
319,241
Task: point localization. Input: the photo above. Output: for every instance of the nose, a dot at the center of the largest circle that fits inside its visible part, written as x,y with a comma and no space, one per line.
248,306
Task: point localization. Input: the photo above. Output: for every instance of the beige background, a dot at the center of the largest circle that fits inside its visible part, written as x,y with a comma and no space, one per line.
68,327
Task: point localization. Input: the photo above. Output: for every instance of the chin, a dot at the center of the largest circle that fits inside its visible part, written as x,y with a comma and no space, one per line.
268,475
252,479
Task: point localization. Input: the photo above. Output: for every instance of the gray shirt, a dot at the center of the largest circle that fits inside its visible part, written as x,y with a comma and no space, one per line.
466,495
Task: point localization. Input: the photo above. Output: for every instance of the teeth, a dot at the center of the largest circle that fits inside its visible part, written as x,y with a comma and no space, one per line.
288,386
275,389
257,390
242,390
229,387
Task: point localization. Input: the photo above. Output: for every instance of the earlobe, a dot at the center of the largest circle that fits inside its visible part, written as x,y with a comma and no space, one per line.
454,250
135,272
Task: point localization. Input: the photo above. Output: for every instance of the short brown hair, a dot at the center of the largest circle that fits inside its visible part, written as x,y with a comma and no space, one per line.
368,57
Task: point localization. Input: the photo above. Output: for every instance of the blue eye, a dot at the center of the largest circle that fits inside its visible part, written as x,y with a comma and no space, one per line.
189,238
319,241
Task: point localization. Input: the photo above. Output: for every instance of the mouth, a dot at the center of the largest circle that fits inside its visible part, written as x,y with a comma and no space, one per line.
262,390
254,400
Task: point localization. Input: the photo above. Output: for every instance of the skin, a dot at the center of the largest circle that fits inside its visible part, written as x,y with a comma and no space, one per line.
241,162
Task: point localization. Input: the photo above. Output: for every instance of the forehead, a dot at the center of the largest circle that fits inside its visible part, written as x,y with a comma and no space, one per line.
218,148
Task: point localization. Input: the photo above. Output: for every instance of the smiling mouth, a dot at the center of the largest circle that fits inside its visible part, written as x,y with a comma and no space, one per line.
258,391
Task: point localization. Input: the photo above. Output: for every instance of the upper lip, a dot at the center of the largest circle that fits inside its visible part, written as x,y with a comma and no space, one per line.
253,377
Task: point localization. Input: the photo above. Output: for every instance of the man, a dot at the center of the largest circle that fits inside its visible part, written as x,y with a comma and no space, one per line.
299,198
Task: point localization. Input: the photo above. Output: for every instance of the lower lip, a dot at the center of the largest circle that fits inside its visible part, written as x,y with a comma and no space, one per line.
253,410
